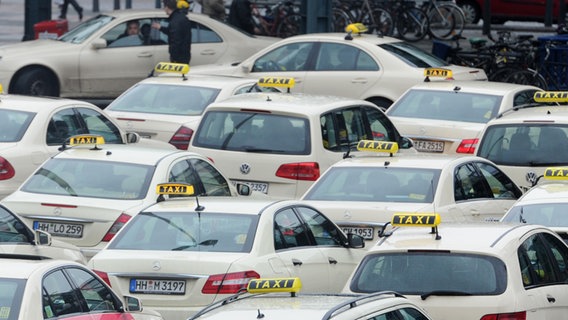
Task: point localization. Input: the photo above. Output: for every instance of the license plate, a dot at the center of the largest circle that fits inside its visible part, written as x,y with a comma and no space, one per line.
57,229
366,233
254,186
157,286
428,146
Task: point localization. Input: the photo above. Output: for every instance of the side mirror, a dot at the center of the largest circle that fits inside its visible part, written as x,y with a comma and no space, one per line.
132,137
132,304
405,143
355,241
99,43
246,67
243,189
42,238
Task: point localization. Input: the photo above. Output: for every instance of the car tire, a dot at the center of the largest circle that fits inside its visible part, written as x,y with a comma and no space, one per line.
36,82
471,10
382,103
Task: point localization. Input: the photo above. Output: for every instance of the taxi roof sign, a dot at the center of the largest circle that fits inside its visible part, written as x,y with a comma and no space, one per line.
438,73
378,146
283,82
170,67
356,28
86,139
551,96
556,173
266,285
416,219
175,189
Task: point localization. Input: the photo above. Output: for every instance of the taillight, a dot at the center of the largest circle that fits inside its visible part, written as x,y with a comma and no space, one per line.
228,282
506,316
117,225
6,169
467,146
103,276
181,138
308,171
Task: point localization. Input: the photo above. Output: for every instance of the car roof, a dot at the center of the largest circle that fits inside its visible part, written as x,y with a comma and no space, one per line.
547,192
122,153
427,161
37,104
201,80
531,114
240,205
289,103
368,39
483,87
23,268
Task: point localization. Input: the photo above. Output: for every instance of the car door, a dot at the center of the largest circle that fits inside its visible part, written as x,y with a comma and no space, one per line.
353,71
108,71
301,257
207,46
329,239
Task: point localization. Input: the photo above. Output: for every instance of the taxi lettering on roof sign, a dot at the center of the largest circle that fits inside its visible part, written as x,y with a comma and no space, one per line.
172,67
283,82
416,219
377,146
175,189
551,96
274,285
86,139
438,72
558,173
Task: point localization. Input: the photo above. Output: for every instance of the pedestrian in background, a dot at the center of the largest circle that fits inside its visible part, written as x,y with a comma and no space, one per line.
178,31
240,16
213,8
76,6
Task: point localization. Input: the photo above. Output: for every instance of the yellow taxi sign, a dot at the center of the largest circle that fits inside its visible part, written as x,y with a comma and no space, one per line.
438,72
1,89
175,189
170,67
274,285
356,28
283,82
550,96
377,146
86,139
416,219
556,173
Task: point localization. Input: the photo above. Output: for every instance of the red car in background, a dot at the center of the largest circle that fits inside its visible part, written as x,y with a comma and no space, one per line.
503,10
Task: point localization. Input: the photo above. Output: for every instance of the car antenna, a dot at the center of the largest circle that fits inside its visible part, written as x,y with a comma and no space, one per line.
198,207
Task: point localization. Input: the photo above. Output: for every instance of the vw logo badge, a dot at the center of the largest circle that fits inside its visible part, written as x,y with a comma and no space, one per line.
245,168
156,266
531,177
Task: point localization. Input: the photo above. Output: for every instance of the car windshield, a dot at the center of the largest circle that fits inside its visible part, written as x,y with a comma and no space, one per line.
546,214
413,56
11,229
11,296
446,105
165,99
84,30
188,231
526,144
91,178
13,124
384,184
431,273
253,132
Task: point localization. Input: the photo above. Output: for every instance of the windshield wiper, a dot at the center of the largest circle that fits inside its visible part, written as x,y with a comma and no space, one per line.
57,179
263,150
444,293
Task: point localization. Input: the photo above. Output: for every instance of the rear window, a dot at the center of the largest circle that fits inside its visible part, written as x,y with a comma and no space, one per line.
188,231
94,179
412,55
419,273
13,124
546,214
446,105
525,144
253,132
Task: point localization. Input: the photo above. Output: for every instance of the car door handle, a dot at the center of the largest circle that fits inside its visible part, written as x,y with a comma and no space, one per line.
207,52
359,80
331,260
144,54
550,298
296,262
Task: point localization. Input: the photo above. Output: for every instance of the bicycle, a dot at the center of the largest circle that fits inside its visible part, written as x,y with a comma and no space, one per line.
280,20
411,22
446,19
377,19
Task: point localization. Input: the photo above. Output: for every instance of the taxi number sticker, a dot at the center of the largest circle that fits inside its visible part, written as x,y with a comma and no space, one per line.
366,233
67,230
149,286
254,186
428,146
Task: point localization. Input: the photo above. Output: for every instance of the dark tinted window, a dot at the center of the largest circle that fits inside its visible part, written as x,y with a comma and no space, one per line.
412,55
12,229
543,260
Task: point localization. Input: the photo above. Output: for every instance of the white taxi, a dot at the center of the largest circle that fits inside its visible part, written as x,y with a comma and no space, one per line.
17,240
57,289
469,271
180,255
87,192
281,299
360,193
168,107
546,203
94,60
280,143
448,116
354,65
33,128
525,141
